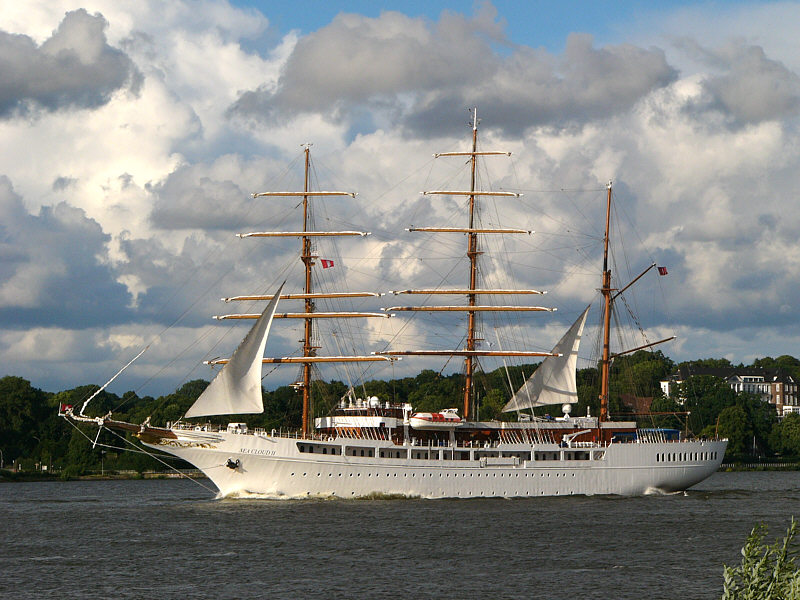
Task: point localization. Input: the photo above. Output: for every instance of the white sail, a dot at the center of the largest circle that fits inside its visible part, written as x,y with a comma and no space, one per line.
237,387
553,382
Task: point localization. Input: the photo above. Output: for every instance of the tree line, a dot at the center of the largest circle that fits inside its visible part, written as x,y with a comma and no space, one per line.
32,435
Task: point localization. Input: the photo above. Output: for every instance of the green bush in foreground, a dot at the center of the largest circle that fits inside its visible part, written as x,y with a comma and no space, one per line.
766,572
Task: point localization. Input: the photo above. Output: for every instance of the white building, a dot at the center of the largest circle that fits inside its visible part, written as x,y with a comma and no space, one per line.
774,386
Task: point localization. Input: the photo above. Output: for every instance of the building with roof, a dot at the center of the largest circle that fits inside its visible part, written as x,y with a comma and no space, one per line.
775,386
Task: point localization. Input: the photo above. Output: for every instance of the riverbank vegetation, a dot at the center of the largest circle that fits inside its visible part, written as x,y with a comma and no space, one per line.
34,438
767,572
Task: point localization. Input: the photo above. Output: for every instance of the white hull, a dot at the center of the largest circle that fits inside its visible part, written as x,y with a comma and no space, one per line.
275,466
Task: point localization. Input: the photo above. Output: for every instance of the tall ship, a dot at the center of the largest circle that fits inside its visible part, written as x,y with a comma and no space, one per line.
366,446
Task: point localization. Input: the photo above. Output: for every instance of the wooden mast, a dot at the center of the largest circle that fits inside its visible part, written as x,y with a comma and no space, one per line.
308,296
472,291
605,363
472,253
306,257
609,295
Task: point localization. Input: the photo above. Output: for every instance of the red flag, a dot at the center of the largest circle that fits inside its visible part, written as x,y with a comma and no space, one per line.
63,408
662,270
326,263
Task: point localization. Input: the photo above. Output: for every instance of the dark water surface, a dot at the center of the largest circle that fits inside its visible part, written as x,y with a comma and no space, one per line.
170,539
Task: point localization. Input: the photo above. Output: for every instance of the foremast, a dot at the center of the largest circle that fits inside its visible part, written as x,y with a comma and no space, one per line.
470,352
308,296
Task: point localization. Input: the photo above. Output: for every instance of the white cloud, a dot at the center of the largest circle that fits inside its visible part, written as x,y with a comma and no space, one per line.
119,212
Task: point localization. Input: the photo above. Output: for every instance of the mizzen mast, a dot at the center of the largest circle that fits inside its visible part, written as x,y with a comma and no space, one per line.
470,352
609,295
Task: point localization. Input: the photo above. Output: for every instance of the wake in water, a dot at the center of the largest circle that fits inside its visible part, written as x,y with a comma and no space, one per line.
653,491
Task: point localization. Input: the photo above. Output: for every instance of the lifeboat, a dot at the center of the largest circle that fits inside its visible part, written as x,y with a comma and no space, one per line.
445,419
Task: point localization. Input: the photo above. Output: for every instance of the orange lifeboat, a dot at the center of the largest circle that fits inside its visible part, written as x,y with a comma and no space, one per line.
445,419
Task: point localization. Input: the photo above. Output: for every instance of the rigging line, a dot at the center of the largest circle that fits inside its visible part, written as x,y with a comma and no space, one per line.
339,349
556,190
163,462
112,379
135,450
168,301
508,375
180,318
206,334
590,223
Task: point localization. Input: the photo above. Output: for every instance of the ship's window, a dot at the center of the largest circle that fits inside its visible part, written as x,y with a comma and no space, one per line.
324,450
362,453
381,453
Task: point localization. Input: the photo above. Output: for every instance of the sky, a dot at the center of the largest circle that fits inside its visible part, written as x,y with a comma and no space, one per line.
134,134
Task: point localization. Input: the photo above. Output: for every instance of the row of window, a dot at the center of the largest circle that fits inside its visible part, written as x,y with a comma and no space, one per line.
434,455
685,456
448,475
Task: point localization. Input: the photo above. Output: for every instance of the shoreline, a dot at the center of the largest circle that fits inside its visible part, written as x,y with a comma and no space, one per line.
7,476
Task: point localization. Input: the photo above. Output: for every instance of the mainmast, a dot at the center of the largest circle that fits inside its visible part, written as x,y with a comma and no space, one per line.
472,254
308,296
308,261
470,352
605,363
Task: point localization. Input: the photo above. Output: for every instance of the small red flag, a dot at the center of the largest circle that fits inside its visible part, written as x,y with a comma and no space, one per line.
326,263
63,408
662,270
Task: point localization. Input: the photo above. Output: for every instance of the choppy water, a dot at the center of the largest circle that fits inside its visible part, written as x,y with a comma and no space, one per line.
170,539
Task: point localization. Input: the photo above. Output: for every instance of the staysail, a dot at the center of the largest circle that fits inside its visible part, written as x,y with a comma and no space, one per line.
237,387
553,382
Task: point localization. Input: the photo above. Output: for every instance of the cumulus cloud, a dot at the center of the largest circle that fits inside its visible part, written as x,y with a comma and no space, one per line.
122,218
421,70
744,83
55,268
74,68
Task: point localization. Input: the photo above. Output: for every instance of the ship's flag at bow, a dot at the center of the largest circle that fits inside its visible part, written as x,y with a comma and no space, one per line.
662,270
237,387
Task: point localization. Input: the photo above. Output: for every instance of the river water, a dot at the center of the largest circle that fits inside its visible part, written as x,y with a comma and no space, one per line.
171,539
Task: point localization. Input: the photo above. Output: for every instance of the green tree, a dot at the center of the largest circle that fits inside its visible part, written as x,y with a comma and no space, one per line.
491,405
666,405
734,424
706,397
22,409
708,363
786,437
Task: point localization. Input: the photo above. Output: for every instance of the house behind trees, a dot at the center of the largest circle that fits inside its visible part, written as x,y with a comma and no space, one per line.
775,386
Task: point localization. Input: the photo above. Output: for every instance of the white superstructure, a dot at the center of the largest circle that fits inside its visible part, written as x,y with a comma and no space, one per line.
265,463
